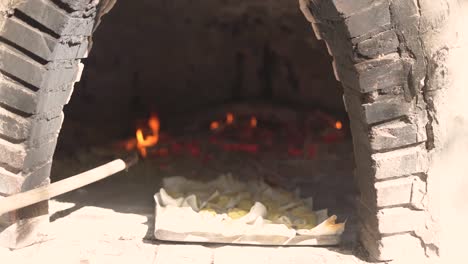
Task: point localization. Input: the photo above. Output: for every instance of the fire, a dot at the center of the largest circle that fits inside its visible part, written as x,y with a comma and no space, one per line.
338,125
214,125
229,118
253,122
153,123
150,140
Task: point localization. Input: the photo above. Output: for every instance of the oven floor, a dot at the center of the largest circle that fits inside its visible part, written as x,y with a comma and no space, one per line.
86,228
112,222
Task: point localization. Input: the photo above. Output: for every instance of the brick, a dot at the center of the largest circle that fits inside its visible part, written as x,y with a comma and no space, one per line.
371,20
83,51
35,74
323,10
387,94
400,162
43,128
19,129
407,23
375,74
22,67
53,99
56,19
78,76
51,113
24,100
336,40
380,44
400,247
13,126
39,43
418,195
17,97
394,192
400,191
386,110
37,178
378,111
61,74
380,73
348,8
79,5
37,156
12,156
10,183
339,9
391,220
16,157
396,134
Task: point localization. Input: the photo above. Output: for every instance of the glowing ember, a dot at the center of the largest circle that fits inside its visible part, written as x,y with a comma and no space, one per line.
253,122
229,118
260,138
295,152
338,125
150,140
130,144
214,125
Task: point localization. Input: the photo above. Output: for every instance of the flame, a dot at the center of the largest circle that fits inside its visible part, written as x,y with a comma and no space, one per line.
338,125
253,121
153,123
150,140
214,125
229,118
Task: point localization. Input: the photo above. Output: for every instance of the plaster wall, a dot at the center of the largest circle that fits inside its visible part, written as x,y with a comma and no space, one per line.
446,95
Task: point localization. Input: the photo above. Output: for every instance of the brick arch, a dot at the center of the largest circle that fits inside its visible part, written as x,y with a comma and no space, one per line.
378,56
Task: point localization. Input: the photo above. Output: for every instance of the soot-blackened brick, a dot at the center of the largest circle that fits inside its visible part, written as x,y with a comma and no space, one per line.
381,44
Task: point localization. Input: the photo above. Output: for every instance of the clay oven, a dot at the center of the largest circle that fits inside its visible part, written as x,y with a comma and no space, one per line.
380,72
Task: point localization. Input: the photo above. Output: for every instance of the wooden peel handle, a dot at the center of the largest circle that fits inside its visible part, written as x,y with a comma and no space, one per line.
20,200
